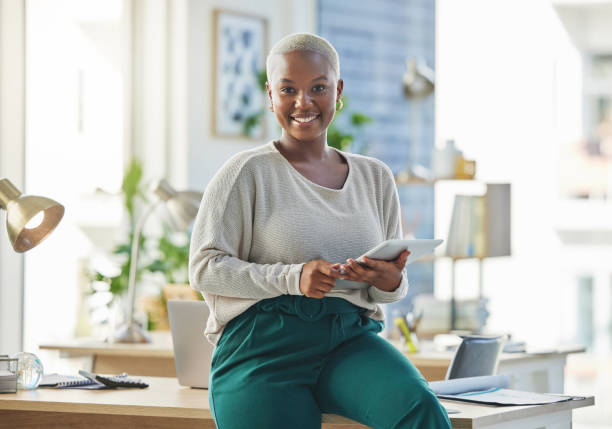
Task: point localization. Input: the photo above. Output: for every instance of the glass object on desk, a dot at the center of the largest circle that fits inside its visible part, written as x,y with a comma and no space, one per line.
444,160
29,370
8,374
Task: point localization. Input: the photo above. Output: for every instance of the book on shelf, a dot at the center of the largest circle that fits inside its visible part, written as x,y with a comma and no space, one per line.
480,224
471,314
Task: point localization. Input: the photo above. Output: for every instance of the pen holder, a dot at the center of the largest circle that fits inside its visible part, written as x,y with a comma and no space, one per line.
8,375
410,341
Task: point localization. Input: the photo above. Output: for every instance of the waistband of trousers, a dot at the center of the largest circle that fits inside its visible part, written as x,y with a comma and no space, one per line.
309,309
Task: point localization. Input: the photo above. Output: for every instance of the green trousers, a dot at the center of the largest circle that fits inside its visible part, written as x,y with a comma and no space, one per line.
288,359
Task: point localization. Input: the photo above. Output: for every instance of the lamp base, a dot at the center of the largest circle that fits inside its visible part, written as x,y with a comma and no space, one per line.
131,333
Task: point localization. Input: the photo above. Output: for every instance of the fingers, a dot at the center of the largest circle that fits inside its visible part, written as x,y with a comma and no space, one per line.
375,264
400,261
331,270
357,269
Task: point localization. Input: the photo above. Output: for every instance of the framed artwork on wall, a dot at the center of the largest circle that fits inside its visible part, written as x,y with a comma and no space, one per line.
240,46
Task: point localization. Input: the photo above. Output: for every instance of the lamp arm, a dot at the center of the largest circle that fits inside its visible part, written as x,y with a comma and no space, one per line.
134,262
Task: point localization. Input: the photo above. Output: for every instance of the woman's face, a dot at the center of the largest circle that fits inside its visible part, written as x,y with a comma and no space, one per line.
303,91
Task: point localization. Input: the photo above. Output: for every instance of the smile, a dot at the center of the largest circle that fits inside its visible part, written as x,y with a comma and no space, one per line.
305,120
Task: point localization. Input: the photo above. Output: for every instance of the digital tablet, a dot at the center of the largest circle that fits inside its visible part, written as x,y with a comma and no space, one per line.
389,250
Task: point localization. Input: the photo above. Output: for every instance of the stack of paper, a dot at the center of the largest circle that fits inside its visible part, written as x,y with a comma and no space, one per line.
8,375
492,390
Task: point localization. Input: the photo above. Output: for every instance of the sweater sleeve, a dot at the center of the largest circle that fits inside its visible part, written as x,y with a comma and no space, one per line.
393,229
221,242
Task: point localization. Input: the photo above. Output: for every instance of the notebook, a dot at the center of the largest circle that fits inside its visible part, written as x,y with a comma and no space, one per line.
90,381
59,381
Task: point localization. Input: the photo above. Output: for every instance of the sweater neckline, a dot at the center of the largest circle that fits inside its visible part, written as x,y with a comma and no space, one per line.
310,182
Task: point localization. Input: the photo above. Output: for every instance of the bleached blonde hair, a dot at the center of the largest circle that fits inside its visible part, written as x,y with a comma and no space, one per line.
304,42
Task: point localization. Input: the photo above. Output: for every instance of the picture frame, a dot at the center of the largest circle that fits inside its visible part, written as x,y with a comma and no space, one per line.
240,45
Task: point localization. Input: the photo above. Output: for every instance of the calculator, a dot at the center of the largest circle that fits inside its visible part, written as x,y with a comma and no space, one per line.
113,381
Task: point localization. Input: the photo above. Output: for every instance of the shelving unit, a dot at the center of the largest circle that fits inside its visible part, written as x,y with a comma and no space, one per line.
493,229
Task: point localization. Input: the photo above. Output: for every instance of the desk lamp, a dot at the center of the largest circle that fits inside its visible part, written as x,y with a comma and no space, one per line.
418,80
418,84
183,207
21,209
26,229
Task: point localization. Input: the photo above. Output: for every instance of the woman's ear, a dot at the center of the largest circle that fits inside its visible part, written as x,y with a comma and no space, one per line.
339,89
269,90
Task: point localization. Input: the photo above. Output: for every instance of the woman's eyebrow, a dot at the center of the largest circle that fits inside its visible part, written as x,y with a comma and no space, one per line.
285,80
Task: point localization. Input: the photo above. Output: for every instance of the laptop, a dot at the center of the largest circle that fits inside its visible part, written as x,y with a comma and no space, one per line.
192,351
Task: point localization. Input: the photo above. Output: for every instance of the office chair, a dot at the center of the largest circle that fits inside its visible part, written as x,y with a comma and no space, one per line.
475,356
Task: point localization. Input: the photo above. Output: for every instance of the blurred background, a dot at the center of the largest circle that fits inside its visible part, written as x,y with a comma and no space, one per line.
98,98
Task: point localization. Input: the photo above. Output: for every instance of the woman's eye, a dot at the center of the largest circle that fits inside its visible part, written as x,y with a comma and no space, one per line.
319,88
287,90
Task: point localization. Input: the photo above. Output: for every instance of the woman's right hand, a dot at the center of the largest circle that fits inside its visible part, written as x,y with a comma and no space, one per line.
318,278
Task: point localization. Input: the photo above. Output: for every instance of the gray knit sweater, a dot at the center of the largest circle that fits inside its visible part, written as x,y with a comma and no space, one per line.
260,220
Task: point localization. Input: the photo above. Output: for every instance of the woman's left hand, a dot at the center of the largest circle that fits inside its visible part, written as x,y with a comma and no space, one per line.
385,275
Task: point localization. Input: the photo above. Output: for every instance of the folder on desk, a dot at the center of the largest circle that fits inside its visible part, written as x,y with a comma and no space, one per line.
492,390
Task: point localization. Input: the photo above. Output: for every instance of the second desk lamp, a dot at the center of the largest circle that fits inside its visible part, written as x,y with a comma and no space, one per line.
183,207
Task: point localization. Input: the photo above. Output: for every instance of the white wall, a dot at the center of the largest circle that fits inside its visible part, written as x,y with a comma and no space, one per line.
11,166
508,90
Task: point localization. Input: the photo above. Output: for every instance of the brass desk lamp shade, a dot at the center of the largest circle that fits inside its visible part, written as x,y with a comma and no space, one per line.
20,209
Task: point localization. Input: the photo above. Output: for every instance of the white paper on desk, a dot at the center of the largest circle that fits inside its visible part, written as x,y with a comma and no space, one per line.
469,384
491,390
498,396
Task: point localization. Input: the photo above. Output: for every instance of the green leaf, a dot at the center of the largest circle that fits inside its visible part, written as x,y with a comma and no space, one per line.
262,78
131,187
251,122
358,119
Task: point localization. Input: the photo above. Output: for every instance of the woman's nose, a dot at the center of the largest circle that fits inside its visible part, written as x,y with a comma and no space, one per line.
302,99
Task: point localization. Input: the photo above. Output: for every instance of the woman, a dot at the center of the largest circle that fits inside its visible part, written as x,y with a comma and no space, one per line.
278,225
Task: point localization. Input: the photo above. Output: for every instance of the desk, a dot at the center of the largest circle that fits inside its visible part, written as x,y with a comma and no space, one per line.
542,372
166,405
155,359
534,372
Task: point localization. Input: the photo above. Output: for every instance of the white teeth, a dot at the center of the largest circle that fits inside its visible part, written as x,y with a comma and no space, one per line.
304,120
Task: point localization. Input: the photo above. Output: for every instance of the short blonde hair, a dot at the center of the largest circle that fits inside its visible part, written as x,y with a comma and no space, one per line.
304,42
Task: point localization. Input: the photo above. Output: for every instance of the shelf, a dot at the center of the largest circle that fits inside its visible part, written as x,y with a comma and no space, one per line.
413,182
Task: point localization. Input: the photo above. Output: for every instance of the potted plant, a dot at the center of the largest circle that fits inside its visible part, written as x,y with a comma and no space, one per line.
163,260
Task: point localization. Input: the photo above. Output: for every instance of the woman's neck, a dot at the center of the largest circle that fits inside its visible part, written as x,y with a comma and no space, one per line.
298,150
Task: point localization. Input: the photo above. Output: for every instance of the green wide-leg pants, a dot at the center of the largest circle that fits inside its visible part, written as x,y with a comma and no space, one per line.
288,359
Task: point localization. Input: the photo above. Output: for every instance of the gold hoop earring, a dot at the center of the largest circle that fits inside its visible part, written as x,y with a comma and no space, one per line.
271,107
339,105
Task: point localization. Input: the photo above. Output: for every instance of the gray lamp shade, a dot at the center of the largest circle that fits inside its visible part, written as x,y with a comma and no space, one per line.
418,80
182,205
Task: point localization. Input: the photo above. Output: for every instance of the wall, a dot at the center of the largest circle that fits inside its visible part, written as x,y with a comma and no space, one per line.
12,68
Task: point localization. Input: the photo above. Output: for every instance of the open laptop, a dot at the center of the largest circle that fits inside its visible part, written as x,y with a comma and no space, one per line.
192,351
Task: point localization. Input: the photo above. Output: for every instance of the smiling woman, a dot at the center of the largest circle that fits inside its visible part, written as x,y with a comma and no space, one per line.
304,105
279,225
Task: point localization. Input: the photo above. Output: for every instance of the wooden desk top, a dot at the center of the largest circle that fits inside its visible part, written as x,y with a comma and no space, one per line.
165,398
161,347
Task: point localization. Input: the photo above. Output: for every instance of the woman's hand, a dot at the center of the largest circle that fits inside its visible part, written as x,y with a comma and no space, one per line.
385,275
318,278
